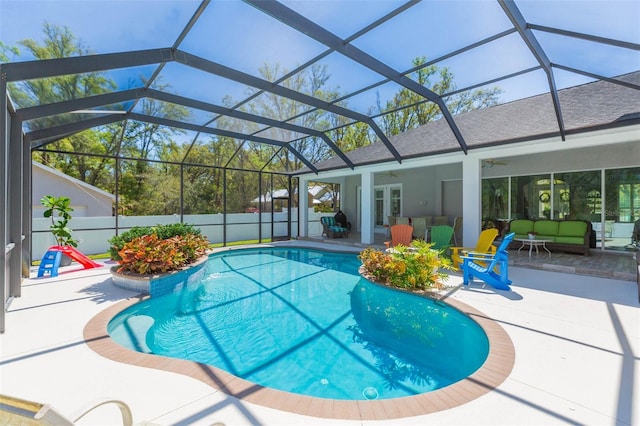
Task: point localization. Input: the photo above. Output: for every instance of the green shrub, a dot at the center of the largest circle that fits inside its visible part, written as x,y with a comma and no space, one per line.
175,229
163,232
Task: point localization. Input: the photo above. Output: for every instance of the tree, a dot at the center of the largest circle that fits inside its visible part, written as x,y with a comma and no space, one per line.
352,136
148,141
408,110
59,42
311,81
6,50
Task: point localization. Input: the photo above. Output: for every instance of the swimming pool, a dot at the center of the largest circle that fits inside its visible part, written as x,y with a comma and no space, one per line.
304,321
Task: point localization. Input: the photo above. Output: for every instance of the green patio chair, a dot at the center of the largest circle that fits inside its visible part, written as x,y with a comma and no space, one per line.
441,238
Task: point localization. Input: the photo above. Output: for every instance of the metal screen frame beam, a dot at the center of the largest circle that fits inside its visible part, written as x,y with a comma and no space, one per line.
219,132
47,110
28,70
204,106
249,80
15,197
318,33
587,37
39,138
32,113
597,76
520,24
4,189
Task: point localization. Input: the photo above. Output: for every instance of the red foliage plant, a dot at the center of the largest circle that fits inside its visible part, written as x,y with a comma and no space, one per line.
148,254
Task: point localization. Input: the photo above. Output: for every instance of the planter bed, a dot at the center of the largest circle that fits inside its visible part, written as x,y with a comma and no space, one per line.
159,284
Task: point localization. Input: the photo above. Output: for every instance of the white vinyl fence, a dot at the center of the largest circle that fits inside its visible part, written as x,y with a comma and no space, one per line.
93,233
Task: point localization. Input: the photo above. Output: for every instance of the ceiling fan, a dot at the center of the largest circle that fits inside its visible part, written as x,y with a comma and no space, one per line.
490,162
391,173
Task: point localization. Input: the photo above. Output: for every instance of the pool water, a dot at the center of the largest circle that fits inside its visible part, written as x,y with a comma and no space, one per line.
304,321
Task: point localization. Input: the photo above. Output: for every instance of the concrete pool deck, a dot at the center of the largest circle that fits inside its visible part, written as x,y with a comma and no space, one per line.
576,339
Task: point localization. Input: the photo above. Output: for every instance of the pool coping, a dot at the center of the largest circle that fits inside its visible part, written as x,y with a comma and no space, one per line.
491,374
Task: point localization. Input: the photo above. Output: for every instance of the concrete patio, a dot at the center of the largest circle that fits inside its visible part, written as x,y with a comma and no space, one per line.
576,337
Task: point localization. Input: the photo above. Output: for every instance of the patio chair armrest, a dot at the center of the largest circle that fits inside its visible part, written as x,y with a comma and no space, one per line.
460,249
477,255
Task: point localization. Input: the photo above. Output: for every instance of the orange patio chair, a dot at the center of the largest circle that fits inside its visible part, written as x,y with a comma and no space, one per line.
400,234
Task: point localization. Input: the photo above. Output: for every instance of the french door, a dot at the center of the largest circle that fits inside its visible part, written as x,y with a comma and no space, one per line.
387,202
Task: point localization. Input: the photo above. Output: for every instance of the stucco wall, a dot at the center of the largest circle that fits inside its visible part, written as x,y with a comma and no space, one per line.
421,189
618,156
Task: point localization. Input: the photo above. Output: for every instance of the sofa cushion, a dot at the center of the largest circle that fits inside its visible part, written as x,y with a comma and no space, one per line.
569,240
521,226
572,228
546,227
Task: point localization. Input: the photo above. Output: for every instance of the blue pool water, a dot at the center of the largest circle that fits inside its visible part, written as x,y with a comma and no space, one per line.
305,321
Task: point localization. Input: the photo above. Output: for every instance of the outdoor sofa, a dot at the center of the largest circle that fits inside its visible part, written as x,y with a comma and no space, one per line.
566,235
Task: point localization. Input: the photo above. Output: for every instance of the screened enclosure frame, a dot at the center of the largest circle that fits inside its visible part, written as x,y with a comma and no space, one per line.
22,131
21,71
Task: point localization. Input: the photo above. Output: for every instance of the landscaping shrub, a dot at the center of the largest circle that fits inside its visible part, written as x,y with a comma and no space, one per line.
150,254
420,267
163,232
117,242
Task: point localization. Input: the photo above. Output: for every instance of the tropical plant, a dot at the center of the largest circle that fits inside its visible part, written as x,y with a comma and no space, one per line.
163,232
150,254
416,267
60,208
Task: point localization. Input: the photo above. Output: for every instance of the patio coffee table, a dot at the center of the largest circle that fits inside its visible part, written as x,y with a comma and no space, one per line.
533,243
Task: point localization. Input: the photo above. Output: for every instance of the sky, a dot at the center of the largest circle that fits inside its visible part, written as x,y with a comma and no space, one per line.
237,35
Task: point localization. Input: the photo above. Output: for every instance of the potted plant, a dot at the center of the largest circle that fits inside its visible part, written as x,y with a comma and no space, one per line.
532,235
60,208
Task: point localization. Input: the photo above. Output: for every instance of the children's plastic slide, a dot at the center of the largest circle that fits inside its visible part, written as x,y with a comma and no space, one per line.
51,260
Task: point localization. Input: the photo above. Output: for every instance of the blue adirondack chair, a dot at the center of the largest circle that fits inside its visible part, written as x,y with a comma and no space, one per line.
493,269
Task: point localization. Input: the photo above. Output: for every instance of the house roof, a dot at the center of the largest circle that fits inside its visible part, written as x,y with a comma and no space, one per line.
585,108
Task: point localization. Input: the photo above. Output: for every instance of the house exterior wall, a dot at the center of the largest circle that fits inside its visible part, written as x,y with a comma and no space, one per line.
596,157
421,188
422,178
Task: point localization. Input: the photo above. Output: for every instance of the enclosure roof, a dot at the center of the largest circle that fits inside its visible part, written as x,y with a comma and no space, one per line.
588,107
244,70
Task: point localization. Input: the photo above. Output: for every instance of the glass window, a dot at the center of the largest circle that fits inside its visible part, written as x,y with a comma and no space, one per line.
495,193
623,194
530,197
577,195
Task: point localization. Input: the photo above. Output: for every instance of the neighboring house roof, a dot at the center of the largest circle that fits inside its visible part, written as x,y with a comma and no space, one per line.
77,182
318,192
279,193
587,107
